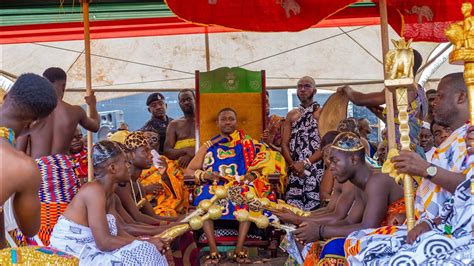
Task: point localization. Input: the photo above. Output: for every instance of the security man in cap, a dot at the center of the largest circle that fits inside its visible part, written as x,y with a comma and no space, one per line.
159,120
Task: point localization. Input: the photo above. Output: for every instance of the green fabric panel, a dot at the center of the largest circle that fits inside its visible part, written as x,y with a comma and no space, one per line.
230,80
47,13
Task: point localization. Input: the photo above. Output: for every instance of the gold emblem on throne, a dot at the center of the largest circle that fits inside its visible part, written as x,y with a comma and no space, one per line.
230,81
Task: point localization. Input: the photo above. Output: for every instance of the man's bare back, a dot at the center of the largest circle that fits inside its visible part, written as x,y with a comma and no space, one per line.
57,131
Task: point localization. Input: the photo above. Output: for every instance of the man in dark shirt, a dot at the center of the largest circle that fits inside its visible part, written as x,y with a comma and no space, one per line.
159,120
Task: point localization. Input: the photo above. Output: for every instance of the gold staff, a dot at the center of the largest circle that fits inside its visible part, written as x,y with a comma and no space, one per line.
400,78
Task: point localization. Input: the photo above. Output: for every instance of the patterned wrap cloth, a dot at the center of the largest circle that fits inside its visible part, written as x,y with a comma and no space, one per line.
78,240
59,185
303,192
379,246
331,252
233,158
417,111
175,199
80,164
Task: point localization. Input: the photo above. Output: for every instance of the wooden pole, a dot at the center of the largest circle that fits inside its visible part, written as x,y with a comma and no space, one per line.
87,45
208,57
390,123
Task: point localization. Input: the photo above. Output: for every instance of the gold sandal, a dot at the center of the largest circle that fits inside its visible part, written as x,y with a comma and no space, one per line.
214,256
242,255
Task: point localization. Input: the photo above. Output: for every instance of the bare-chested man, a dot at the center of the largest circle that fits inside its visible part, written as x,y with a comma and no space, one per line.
49,145
301,148
31,98
180,143
376,194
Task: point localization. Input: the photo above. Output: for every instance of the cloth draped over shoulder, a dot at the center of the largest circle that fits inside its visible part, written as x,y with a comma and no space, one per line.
305,140
234,157
175,198
380,245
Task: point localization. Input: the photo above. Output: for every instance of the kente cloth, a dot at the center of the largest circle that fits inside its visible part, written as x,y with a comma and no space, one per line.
78,240
36,256
274,126
303,192
175,199
331,252
80,163
158,126
429,200
454,231
231,157
395,208
185,143
450,155
417,111
269,163
327,253
58,187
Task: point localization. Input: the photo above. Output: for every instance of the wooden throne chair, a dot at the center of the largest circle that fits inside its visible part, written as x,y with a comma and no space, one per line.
244,91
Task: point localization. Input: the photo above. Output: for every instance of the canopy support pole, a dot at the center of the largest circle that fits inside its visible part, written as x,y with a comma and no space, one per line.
87,45
208,57
390,123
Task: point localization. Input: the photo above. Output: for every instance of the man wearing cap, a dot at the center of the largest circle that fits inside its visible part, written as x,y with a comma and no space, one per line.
159,120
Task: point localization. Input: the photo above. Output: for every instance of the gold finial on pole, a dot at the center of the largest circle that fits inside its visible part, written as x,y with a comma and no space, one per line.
399,78
461,35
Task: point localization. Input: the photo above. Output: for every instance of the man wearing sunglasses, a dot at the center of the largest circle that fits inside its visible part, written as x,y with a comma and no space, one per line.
301,148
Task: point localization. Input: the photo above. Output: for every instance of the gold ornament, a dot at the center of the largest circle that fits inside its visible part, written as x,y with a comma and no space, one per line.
399,70
195,223
261,221
461,35
219,193
279,205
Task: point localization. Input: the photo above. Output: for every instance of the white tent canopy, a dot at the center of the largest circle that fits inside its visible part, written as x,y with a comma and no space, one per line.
333,56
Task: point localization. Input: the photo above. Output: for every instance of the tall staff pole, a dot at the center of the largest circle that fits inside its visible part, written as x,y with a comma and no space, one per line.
87,45
463,53
390,122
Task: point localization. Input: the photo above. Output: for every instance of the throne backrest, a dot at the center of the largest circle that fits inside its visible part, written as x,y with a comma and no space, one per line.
237,88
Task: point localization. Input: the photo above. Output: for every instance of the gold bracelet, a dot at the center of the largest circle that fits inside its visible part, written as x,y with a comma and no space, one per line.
198,175
208,144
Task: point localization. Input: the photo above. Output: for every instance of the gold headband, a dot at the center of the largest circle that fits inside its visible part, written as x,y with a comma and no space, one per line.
347,141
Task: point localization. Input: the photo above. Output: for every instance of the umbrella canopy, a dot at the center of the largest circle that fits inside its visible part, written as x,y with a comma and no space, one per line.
257,15
132,55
